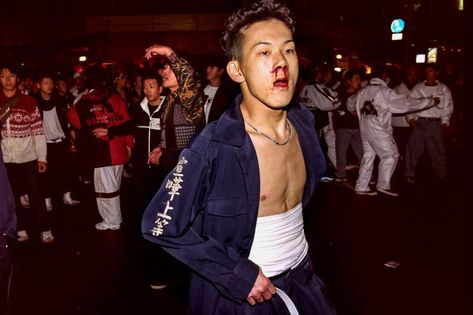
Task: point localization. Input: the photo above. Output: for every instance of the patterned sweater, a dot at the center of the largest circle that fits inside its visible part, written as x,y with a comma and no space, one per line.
22,133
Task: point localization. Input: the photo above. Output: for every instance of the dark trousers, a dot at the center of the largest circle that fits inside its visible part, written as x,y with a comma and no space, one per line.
301,284
5,269
27,174
57,179
426,136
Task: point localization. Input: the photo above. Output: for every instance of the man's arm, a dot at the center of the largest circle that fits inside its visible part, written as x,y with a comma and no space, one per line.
191,98
169,222
400,104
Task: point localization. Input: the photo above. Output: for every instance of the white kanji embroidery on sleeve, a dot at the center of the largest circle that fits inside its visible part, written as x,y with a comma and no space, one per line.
173,186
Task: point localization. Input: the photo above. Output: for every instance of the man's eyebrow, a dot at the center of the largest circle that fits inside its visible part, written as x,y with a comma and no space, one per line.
269,43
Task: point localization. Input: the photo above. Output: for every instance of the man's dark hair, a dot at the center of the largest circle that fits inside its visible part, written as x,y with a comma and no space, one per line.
152,74
350,74
43,74
95,76
232,39
10,66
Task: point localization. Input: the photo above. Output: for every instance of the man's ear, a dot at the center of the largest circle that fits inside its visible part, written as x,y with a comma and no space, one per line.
160,89
234,71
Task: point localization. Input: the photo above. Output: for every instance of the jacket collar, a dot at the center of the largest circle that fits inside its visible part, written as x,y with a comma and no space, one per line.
230,128
144,105
378,82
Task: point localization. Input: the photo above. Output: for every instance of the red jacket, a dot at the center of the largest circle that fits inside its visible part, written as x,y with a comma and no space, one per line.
101,109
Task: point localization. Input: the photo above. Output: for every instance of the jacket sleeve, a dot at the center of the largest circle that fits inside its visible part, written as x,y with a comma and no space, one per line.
400,104
447,111
73,117
170,219
191,98
38,135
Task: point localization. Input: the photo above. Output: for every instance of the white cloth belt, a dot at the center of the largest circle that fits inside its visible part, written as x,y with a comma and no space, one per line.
279,242
287,300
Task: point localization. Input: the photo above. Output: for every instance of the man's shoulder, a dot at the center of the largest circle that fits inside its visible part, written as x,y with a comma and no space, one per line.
27,103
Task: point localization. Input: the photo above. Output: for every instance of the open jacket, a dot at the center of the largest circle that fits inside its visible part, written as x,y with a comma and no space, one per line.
205,212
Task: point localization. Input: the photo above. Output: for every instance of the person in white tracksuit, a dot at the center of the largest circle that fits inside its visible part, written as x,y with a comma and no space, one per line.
319,96
374,106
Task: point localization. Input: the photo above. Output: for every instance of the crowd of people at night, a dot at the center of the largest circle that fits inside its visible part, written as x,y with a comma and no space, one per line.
107,123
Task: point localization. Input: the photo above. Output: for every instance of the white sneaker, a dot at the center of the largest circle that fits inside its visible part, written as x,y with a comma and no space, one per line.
22,236
388,192
25,201
102,226
49,205
392,264
158,286
47,237
366,192
67,200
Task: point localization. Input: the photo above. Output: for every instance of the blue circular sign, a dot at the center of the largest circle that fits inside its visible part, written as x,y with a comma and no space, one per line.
398,25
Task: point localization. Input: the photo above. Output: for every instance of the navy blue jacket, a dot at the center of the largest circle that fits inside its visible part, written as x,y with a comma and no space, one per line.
7,203
205,212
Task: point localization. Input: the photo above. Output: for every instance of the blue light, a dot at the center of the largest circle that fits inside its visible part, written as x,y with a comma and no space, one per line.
398,25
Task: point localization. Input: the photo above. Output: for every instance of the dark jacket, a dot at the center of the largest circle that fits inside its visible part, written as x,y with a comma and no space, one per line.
60,103
205,212
342,118
147,135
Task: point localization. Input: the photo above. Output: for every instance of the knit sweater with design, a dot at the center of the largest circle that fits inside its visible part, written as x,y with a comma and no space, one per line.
22,132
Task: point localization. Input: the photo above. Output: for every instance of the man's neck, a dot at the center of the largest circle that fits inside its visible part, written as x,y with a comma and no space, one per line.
215,82
45,96
431,82
9,93
262,115
155,102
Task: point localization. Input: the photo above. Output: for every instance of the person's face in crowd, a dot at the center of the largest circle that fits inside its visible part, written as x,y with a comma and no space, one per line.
412,75
28,85
61,87
8,80
355,82
268,68
80,83
152,91
46,86
430,74
120,81
138,83
213,72
169,78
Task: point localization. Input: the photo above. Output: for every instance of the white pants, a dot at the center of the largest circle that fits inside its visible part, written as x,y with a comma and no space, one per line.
388,156
107,181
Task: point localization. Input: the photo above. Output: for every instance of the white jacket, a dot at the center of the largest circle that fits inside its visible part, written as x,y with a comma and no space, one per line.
443,110
375,105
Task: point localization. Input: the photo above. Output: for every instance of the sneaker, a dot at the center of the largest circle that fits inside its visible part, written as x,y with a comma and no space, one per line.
102,226
25,201
22,236
47,237
67,200
410,179
340,179
326,179
366,192
392,264
158,286
49,205
388,192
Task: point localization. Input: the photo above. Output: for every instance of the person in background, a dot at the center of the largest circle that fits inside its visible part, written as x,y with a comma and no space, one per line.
374,106
24,151
57,180
104,142
346,125
429,126
220,90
